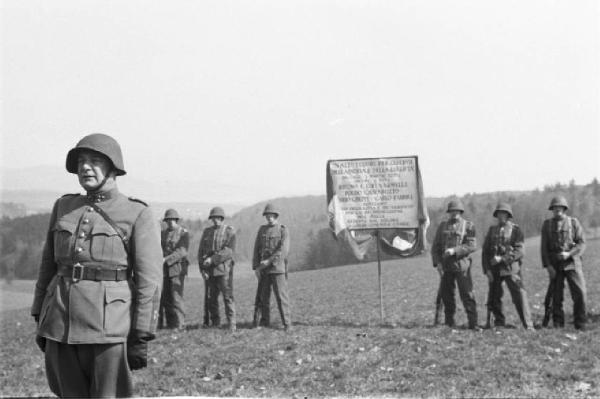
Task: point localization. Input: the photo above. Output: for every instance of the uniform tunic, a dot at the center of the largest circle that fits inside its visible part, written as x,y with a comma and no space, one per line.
75,312
565,235
175,243
272,244
218,244
458,234
505,241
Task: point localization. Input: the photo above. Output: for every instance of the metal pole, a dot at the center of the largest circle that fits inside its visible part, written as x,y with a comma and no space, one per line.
380,282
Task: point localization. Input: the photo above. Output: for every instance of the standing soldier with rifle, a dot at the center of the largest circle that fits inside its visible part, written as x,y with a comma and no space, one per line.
270,266
451,255
563,243
175,241
501,259
215,257
97,294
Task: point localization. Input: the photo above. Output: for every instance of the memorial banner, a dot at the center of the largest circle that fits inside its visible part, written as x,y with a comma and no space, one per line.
380,197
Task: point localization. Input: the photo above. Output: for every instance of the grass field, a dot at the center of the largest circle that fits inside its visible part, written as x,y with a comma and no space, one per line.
339,348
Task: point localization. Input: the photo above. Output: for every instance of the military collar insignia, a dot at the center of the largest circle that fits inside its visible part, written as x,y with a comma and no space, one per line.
100,196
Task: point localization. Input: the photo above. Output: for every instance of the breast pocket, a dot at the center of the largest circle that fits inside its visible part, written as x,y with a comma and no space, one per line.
106,245
449,239
117,311
273,241
63,234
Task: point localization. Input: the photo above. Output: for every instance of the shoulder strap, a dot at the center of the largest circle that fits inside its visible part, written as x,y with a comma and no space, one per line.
463,230
119,231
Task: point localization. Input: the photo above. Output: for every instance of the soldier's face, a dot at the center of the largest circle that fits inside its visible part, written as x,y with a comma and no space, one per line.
502,217
92,169
271,218
453,215
171,223
217,221
558,212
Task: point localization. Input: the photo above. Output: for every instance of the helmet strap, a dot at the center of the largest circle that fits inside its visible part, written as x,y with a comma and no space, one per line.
99,188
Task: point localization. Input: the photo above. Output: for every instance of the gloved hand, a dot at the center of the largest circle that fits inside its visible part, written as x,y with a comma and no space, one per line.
41,342
137,349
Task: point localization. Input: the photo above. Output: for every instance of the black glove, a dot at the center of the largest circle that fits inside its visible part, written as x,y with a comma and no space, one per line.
137,350
41,342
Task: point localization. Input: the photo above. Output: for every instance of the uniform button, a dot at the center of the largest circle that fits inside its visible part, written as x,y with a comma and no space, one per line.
90,209
86,221
82,235
78,249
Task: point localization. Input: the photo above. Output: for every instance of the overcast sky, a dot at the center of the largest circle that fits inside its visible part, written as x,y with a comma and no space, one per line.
491,95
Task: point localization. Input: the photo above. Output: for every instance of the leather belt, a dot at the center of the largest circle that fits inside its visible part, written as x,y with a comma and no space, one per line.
90,272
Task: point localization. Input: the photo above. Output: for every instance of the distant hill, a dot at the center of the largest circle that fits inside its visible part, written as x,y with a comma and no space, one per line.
38,187
301,215
15,203
312,244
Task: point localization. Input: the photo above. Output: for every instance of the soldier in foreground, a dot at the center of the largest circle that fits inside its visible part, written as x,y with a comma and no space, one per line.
97,294
451,254
175,241
563,243
269,263
501,259
215,257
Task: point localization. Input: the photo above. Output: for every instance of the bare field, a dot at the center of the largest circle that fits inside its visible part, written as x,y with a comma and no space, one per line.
339,348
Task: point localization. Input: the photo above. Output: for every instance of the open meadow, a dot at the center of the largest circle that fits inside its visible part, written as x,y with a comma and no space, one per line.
338,346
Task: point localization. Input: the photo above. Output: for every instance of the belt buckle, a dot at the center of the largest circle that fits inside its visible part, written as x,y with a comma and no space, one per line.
77,273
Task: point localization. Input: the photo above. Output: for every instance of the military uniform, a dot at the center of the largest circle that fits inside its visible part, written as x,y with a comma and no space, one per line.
272,244
458,235
97,294
100,302
506,242
175,245
218,244
565,235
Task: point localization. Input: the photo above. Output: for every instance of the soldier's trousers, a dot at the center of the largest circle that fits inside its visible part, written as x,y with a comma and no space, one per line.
221,285
465,289
515,286
88,370
262,303
171,302
576,283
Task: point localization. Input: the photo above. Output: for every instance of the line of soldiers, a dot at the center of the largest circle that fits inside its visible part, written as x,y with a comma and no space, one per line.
216,261
562,245
97,299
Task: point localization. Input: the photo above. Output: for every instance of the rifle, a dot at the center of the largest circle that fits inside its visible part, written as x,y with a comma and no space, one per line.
549,302
489,319
439,305
206,294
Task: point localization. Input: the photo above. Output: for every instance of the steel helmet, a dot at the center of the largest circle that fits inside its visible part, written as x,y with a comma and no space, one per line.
455,205
558,201
505,207
216,212
171,214
270,208
98,142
